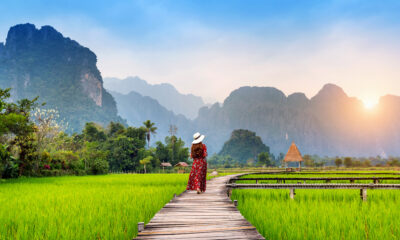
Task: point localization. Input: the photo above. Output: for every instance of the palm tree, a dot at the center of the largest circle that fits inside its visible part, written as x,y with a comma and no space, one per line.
150,129
145,161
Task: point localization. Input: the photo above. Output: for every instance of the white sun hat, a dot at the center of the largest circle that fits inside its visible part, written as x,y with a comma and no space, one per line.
197,138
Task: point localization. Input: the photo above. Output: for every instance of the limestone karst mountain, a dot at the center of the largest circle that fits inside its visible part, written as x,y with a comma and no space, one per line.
137,109
329,124
166,94
42,62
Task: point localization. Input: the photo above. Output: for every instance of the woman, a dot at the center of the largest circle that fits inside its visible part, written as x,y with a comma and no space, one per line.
197,178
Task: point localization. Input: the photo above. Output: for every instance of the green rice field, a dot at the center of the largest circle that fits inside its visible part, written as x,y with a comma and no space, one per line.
88,207
321,214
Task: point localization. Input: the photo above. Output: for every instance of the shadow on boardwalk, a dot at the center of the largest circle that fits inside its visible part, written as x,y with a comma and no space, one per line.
210,215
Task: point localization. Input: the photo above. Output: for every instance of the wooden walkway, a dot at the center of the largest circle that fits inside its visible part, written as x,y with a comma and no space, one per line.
210,215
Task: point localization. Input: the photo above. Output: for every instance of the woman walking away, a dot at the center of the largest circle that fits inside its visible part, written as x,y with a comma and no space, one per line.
197,178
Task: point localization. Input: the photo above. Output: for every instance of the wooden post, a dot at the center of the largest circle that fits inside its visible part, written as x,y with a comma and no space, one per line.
292,193
256,181
140,226
363,194
229,192
235,203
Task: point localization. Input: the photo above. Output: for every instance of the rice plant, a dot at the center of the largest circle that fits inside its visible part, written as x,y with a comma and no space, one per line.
88,207
321,214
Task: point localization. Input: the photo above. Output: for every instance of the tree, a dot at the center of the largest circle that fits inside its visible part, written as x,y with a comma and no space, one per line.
243,144
145,161
150,129
172,151
23,130
338,162
348,162
264,159
48,126
308,161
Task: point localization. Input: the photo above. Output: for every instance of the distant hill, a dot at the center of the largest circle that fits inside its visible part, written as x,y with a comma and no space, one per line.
137,109
165,94
41,62
243,145
329,124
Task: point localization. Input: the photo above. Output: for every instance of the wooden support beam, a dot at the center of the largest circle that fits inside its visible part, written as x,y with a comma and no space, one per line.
235,203
292,193
140,226
363,194
229,192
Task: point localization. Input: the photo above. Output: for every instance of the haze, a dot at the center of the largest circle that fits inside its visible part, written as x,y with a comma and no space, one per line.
210,48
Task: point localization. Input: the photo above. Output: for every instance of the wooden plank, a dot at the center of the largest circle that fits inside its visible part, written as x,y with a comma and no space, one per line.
210,215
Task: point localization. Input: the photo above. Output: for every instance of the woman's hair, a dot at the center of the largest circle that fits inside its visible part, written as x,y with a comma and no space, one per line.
197,150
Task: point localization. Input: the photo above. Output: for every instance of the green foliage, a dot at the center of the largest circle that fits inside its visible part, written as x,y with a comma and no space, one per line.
173,151
243,145
338,162
225,161
38,147
348,162
264,159
308,161
8,168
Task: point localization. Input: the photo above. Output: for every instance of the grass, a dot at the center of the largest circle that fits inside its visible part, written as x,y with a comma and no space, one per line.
321,214
88,207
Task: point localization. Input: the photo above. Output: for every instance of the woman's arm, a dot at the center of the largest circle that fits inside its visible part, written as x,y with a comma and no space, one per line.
204,151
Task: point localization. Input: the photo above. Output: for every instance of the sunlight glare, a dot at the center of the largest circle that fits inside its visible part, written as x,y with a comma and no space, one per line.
369,104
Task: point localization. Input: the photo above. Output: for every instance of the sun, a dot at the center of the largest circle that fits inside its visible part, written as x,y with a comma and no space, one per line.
369,104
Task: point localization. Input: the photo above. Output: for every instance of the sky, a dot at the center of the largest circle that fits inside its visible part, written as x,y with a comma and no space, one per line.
210,48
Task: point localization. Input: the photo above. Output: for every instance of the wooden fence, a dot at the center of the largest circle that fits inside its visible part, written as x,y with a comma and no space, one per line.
305,179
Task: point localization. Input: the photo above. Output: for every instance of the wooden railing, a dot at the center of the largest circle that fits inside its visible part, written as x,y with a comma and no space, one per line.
326,179
231,184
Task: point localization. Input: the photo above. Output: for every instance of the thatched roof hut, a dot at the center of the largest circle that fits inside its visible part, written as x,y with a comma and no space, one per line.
293,155
181,164
166,164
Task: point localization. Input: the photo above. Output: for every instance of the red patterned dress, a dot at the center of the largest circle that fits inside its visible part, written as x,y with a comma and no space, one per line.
198,174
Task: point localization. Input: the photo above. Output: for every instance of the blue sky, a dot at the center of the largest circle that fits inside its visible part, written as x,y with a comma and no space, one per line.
210,48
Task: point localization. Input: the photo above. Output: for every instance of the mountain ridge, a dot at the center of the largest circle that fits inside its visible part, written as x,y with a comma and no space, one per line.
166,94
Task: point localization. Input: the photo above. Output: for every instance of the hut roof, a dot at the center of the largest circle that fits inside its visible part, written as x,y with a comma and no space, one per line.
181,164
293,154
166,164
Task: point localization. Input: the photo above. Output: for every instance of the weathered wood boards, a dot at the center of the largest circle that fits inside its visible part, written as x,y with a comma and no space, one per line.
211,215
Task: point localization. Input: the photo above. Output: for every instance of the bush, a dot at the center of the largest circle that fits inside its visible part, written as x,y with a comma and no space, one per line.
66,160
99,166
8,167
